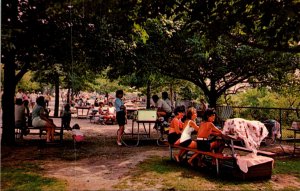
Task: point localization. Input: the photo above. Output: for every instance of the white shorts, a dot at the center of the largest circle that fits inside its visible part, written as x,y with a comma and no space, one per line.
38,122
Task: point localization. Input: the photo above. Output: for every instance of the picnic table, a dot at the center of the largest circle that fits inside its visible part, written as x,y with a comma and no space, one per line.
130,112
84,111
295,140
228,162
145,119
58,131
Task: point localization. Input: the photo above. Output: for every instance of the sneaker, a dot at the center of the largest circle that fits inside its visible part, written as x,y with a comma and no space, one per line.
119,143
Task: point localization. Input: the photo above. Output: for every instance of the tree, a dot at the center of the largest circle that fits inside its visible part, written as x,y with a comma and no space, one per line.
202,42
264,24
48,33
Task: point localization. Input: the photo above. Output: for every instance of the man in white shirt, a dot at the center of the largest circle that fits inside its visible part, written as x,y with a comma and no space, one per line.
19,94
166,98
163,109
33,97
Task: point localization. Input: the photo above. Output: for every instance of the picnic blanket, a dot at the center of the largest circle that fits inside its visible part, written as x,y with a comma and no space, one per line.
251,132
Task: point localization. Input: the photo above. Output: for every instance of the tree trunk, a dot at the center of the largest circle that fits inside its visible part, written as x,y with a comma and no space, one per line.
148,94
8,111
171,95
56,105
212,100
68,95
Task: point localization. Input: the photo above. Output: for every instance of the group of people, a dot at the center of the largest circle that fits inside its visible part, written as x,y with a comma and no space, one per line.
39,117
104,116
180,132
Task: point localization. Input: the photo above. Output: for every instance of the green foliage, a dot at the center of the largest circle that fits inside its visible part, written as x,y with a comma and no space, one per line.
264,98
205,42
104,85
27,84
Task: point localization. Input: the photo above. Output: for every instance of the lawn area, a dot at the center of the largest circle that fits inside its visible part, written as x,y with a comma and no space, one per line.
155,173
28,176
163,174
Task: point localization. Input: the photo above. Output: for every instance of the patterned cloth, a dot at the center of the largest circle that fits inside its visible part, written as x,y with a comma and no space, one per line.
251,132
245,162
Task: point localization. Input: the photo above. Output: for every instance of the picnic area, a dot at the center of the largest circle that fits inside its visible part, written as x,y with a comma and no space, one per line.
150,95
99,164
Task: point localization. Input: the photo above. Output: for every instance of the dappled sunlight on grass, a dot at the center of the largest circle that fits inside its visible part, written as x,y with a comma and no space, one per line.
28,176
161,173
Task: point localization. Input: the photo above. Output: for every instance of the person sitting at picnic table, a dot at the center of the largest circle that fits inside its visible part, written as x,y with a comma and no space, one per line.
40,119
176,125
163,109
101,113
165,97
207,129
110,113
20,119
189,127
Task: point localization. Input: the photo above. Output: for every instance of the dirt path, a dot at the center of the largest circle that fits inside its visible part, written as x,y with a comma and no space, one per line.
93,174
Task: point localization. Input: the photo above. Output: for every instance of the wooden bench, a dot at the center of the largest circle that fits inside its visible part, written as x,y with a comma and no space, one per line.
220,157
60,128
216,156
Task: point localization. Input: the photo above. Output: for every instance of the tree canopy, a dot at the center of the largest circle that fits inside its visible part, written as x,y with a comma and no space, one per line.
212,43
217,44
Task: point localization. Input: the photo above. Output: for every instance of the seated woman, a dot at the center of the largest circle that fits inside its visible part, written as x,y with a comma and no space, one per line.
206,129
40,120
110,113
189,126
101,113
176,125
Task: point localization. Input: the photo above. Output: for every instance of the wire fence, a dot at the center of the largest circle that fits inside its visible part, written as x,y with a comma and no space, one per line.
285,116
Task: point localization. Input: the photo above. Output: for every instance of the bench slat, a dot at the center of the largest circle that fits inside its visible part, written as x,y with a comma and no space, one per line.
265,153
211,154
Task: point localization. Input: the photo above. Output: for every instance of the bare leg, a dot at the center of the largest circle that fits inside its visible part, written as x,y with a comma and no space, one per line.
218,146
120,133
48,135
190,161
180,154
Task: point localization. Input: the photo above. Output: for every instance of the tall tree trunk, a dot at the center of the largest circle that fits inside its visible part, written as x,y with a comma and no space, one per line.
56,104
8,111
212,100
148,94
68,95
171,94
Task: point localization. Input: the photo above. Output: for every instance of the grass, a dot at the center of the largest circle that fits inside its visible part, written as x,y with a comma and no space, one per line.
288,166
27,176
159,173
287,133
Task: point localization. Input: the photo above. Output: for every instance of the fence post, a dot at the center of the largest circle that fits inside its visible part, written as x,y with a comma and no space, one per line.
280,122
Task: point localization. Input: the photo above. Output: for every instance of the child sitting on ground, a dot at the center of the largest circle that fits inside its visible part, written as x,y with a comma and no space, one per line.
77,134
